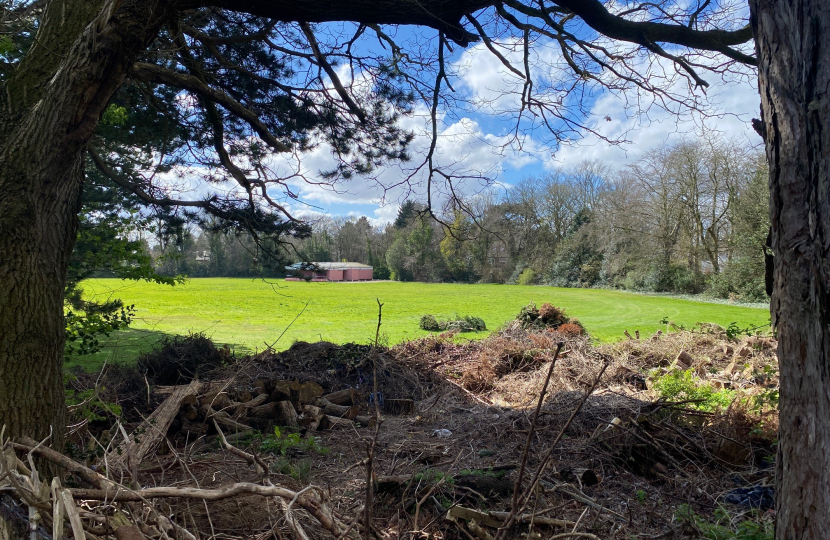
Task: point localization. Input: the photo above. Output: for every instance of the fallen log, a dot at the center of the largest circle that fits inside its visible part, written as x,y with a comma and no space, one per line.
341,411
348,396
496,519
256,401
217,399
153,430
308,391
368,421
486,482
225,420
281,412
332,422
294,391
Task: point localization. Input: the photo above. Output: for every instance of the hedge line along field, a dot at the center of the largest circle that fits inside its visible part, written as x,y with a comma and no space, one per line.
248,313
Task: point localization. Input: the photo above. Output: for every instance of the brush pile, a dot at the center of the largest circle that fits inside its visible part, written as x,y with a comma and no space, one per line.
641,437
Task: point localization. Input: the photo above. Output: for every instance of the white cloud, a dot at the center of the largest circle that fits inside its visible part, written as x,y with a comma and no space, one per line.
472,144
727,108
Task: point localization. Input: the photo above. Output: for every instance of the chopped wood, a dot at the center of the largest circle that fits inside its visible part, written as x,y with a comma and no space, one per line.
313,412
342,411
348,396
307,392
281,390
399,406
684,360
217,399
262,386
332,422
295,391
189,412
265,411
369,421
255,402
281,412
225,420
153,430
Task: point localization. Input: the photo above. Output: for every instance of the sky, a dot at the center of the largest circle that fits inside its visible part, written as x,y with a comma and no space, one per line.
478,136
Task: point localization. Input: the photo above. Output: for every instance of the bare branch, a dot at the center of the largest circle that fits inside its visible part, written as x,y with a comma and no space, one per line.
335,80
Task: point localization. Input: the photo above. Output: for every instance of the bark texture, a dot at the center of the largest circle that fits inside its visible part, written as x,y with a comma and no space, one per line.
48,112
793,45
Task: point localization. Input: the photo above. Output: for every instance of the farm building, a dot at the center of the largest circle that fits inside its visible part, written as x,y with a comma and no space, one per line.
329,271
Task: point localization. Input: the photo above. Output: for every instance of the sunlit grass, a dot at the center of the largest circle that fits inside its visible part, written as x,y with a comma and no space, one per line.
252,313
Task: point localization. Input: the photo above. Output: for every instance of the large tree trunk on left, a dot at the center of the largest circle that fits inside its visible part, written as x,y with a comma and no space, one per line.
48,111
793,45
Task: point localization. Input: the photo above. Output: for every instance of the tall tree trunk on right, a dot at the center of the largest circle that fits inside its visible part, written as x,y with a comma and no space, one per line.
793,46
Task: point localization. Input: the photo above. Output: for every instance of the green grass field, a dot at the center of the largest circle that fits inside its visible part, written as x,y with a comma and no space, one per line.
247,313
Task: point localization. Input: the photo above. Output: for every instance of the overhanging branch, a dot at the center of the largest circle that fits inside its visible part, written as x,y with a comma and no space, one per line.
156,74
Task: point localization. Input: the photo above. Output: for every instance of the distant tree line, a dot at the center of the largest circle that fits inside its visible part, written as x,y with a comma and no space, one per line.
689,217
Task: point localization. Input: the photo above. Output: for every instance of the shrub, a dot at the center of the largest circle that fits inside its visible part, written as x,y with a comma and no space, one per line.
552,315
460,324
571,329
548,316
516,274
742,278
527,277
429,323
180,359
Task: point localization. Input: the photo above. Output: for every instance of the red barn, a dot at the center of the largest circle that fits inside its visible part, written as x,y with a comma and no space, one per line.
329,271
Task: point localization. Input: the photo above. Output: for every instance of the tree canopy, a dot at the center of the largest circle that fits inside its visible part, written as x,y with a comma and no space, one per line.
220,89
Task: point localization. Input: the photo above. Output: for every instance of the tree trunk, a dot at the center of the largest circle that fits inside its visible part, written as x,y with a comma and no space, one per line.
793,46
48,111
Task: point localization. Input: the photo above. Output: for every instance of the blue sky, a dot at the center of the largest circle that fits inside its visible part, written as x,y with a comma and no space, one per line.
476,134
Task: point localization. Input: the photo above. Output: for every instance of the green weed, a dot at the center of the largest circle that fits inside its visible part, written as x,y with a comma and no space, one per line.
724,527
683,385
281,443
299,470
432,476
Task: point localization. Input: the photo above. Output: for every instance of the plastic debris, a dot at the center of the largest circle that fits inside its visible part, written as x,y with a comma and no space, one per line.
762,497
